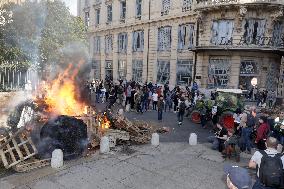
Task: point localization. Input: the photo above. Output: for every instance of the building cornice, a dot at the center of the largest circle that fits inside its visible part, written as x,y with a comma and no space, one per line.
140,22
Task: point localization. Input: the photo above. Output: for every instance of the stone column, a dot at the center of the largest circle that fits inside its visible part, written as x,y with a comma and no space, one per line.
173,61
129,55
115,57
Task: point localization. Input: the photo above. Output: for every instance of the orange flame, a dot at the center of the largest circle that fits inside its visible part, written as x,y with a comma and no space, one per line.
105,123
60,94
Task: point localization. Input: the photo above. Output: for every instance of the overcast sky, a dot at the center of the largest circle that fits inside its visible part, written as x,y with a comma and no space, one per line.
72,4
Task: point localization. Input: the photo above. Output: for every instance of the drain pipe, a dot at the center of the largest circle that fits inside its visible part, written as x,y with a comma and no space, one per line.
148,39
195,52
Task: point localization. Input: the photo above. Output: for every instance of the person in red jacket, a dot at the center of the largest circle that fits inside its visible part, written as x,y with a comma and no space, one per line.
262,133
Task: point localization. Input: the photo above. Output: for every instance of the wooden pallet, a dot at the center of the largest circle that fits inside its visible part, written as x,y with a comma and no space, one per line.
15,149
30,164
114,135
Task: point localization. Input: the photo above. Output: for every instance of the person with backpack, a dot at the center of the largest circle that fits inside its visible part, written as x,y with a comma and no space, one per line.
181,110
262,133
269,164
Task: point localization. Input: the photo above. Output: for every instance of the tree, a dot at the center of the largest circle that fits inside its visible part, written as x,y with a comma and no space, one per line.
38,33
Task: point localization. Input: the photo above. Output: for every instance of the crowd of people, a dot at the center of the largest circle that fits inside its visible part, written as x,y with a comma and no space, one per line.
144,97
252,129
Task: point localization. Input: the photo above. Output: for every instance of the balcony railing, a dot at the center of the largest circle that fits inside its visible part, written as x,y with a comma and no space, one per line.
210,3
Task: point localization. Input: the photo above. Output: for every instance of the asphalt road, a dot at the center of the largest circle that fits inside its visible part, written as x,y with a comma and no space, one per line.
177,133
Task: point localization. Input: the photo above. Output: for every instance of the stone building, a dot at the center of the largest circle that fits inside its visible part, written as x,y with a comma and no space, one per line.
218,43
2,2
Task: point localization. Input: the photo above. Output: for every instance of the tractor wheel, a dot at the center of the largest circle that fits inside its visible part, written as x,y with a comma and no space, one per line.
195,116
227,120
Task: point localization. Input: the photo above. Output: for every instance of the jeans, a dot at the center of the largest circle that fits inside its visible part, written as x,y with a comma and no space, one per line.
203,120
214,141
138,107
155,105
259,185
168,104
281,140
128,100
180,116
246,132
160,114
144,105
98,97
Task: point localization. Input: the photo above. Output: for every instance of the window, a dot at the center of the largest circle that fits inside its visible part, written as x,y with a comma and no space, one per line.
121,69
278,34
184,72
248,67
138,9
96,66
248,70
218,73
122,11
87,19
222,32
108,44
97,44
97,21
166,5
137,70
185,36
138,41
109,13
163,73
186,5
108,69
164,38
122,42
254,31
87,3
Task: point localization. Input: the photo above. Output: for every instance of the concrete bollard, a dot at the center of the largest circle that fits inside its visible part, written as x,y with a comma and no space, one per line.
104,145
127,108
192,139
120,112
155,139
57,159
279,148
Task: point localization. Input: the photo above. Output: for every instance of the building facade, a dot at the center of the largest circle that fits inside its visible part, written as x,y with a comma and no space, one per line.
2,2
220,44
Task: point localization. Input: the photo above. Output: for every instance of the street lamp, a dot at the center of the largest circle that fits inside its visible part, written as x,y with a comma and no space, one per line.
253,81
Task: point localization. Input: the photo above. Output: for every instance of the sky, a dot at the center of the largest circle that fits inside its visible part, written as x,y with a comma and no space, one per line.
72,4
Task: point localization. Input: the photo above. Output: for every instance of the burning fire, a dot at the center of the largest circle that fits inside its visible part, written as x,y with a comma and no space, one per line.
60,94
104,122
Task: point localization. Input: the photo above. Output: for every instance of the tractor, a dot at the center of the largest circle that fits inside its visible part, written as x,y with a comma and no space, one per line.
227,102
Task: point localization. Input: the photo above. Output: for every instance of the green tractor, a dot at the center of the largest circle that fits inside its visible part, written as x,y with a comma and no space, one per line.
227,102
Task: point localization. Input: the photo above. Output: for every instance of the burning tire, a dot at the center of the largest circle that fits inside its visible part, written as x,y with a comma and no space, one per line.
66,133
195,116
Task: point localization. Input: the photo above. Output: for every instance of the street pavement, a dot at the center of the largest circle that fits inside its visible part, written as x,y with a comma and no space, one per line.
174,164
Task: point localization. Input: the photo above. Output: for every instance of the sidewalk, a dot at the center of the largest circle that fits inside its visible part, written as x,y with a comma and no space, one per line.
169,166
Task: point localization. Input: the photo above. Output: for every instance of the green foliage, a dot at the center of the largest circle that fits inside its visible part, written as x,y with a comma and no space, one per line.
38,33
229,101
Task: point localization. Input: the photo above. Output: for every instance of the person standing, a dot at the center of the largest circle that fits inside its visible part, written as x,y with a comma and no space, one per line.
168,101
262,133
160,106
247,131
128,95
137,99
155,100
181,110
150,96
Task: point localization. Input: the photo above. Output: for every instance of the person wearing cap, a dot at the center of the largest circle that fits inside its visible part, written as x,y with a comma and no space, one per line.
237,177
